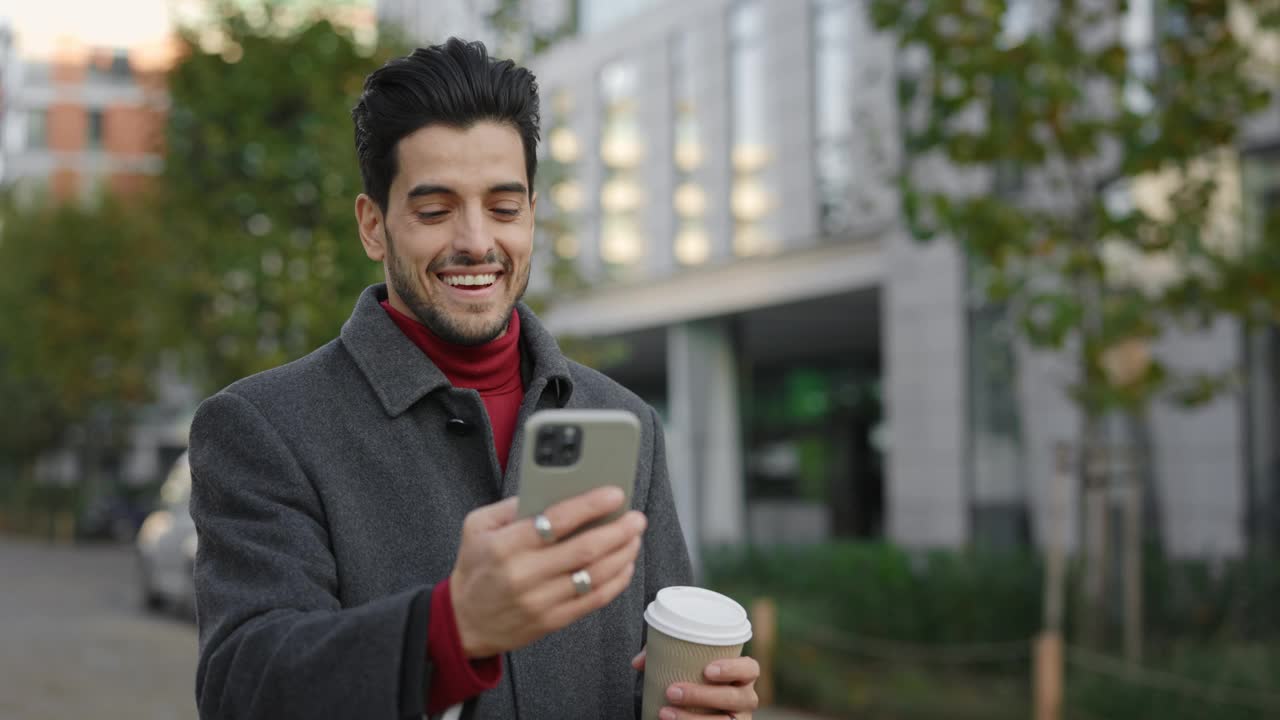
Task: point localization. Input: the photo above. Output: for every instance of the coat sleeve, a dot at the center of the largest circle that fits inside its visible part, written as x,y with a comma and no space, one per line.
275,641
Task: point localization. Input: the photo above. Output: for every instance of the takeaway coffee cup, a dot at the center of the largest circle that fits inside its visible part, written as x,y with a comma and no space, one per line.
689,628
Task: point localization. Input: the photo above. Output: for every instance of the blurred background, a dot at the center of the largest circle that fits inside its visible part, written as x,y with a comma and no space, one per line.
963,318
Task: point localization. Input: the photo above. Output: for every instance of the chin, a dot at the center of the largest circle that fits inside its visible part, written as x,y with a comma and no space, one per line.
477,325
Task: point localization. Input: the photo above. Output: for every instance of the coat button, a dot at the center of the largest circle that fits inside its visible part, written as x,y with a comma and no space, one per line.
459,427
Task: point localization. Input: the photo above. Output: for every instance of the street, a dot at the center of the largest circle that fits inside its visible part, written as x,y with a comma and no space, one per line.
75,643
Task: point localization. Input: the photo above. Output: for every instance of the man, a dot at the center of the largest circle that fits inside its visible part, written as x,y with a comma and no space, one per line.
359,553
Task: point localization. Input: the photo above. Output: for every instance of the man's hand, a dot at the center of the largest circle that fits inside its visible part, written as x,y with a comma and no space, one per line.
510,587
730,688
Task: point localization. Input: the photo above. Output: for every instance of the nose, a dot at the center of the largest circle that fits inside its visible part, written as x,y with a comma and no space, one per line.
472,236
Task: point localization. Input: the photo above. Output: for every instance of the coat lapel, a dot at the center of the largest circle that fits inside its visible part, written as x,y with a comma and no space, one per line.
401,374
398,371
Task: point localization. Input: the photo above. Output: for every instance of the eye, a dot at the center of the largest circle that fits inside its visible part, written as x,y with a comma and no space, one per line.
430,215
507,212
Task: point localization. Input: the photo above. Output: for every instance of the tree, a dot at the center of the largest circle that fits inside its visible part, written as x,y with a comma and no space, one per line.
78,281
1089,169
258,188
524,29
76,338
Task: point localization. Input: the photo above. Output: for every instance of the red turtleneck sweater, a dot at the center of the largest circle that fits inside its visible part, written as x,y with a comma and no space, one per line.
493,370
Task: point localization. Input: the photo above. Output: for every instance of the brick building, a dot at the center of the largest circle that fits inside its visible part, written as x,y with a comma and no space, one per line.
84,120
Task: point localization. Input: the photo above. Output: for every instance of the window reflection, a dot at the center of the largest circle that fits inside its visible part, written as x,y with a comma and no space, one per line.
753,197
562,202
692,242
37,137
833,113
621,149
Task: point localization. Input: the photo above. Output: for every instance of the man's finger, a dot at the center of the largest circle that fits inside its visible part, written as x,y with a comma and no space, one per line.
637,662
599,596
492,517
587,548
733,670
565,516
559,588
726,698
569,515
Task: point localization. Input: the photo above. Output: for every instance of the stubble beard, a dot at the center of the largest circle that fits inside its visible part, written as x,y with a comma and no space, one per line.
467,328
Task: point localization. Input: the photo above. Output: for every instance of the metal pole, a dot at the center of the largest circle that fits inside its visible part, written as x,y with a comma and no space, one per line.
1048,671
1055,545
1096,556
1133,567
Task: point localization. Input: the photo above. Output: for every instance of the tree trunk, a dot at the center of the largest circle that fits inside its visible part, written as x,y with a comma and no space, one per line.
1094,470
1094,578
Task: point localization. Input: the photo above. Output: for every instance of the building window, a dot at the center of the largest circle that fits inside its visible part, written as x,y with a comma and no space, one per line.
622,241
110,67
598,15
997,464
833,65
37,129
753,198
564,197
811,451
692,243
95,129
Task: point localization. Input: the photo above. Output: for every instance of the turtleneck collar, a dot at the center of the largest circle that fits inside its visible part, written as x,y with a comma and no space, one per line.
491,367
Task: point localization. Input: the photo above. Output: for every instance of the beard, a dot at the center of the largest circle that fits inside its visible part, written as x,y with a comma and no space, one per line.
471,326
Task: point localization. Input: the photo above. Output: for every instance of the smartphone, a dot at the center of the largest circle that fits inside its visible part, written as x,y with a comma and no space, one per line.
569,452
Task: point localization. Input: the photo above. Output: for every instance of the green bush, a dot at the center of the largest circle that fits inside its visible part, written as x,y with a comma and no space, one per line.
873,631
886,592
1226,682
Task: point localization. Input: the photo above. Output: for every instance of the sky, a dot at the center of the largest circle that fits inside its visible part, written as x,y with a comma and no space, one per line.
117,23
100,23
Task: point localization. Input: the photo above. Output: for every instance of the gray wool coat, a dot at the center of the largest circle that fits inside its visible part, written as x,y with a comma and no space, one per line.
329,496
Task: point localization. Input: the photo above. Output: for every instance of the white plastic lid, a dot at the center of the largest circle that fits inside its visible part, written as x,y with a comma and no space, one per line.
698,615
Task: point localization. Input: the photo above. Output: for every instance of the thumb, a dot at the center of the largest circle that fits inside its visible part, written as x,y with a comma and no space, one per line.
492,517
637,662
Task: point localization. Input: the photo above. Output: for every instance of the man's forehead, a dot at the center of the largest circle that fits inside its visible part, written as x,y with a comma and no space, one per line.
479,156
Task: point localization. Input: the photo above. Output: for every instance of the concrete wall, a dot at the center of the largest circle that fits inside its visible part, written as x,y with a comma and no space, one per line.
924,379
932,483
1199,453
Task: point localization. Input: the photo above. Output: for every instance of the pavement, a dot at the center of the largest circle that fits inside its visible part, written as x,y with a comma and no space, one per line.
76,643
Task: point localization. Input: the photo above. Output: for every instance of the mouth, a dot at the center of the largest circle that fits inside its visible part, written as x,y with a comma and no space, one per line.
470,285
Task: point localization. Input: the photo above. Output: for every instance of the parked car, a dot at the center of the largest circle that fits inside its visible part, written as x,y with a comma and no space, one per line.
111,517
166,545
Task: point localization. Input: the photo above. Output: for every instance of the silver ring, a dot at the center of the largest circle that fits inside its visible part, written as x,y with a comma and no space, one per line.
543,526
582,582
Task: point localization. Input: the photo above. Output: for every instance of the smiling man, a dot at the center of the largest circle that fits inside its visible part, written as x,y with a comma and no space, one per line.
359,553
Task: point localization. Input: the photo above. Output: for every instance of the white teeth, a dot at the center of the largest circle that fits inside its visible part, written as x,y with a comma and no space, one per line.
456,280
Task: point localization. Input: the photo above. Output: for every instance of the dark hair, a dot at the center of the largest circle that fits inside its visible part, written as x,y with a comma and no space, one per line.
455,84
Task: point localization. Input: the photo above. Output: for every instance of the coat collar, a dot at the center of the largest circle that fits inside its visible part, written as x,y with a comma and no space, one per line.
401,374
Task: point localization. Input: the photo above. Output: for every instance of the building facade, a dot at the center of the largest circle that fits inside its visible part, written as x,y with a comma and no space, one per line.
717,175
83,120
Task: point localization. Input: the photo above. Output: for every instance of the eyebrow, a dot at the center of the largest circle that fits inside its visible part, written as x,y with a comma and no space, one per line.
424,189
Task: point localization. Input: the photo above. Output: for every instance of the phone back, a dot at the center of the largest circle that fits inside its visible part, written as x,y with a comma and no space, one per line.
569,452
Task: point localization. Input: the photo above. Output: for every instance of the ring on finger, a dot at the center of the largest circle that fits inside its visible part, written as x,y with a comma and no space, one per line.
581,582
542,525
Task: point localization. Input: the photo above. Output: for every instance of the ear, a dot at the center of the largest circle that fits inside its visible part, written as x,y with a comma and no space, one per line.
372,233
